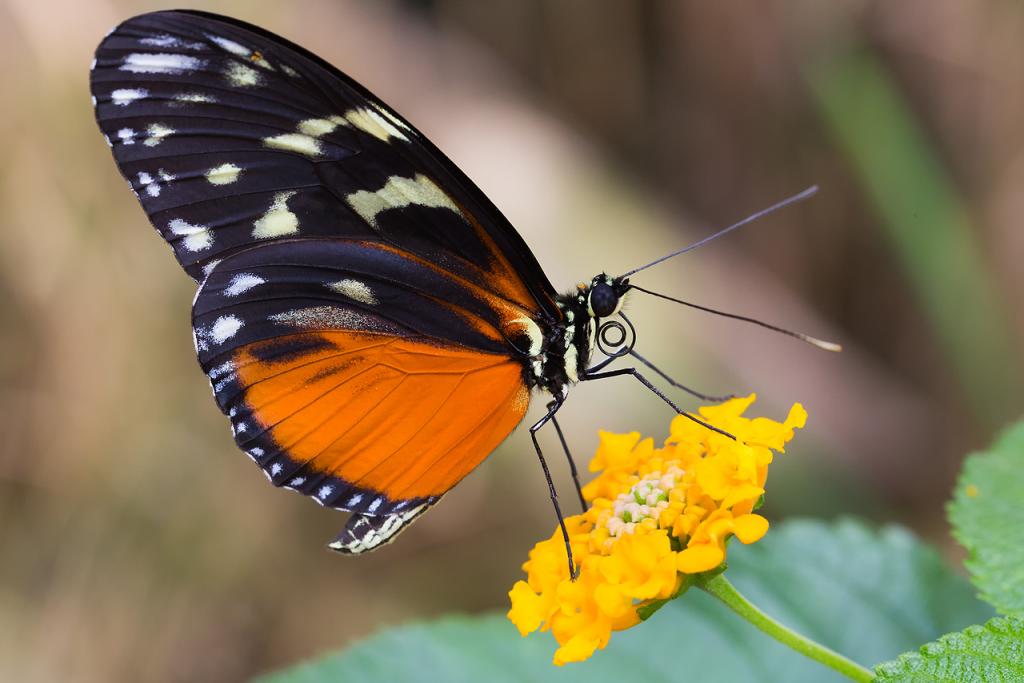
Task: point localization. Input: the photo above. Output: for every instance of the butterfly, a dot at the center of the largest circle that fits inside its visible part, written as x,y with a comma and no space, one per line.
370,323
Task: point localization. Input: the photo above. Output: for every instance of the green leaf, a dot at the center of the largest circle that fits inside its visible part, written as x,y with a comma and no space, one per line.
868,594
987,514
993,652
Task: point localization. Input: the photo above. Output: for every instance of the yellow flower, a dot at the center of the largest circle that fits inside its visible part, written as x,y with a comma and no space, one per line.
656,515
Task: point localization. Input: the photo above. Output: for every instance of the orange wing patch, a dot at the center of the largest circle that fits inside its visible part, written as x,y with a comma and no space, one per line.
404,418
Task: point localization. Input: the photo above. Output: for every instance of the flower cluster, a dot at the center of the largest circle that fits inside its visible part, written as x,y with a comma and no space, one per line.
656,516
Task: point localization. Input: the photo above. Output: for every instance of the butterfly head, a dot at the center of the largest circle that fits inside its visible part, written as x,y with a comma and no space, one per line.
605,295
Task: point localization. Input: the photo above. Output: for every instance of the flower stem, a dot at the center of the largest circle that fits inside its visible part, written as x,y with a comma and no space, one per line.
720,587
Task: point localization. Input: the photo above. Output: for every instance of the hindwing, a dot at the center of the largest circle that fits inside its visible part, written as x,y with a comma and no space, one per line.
361,378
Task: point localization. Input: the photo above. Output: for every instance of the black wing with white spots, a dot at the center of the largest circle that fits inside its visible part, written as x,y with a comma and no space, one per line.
231,136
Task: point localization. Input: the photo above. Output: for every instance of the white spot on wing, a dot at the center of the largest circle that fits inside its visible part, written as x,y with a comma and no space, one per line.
295,142
354,500
391,117
355,290
242,282
225,174
167,40
278,220
163,40
193,97
156,132
324,491
370,121
230,45
127,137
208,268
122,97
317,127
148,184
397,193
223,329
160,63
330,317
196,237
306,141
243,76
222,369
255,452
276,468
375,504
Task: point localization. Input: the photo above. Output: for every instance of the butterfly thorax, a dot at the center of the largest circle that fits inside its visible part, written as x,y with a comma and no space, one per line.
568,344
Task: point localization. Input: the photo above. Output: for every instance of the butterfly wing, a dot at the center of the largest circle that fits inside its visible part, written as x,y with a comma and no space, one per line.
356,374
364,310
229,134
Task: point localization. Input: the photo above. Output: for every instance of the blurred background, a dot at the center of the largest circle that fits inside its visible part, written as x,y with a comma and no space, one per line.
136,543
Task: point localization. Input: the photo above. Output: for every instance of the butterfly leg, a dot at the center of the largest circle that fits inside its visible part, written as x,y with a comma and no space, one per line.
552,409
568,456
657,392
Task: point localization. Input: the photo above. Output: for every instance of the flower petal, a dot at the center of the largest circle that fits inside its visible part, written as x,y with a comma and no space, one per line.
613,449
699,558
577,649
611,601
750,528
527,612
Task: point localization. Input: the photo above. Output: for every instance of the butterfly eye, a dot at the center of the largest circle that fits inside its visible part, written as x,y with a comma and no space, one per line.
603,300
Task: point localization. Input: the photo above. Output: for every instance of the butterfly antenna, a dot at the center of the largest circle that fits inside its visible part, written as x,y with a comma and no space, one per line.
813,341
810,191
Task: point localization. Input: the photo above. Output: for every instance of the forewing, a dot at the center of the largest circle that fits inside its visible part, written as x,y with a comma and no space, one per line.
231,136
